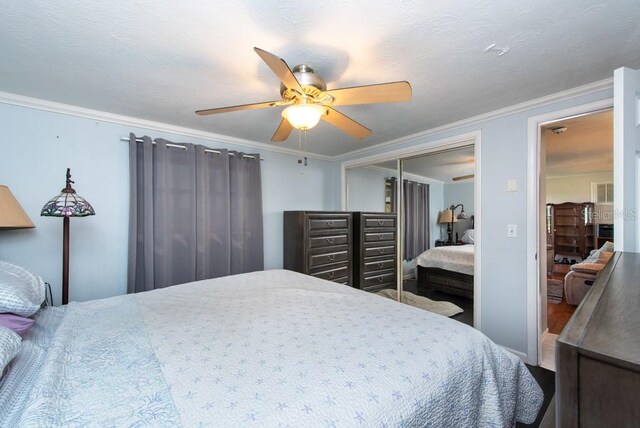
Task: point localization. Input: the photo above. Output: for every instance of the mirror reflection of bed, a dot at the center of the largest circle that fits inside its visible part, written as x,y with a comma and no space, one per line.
438,229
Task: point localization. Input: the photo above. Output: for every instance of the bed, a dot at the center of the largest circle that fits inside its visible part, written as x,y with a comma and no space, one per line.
273,348
448,269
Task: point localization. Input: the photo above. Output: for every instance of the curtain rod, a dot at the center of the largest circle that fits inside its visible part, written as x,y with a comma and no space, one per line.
180,146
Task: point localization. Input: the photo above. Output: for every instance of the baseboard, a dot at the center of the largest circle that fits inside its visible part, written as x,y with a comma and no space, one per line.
518,354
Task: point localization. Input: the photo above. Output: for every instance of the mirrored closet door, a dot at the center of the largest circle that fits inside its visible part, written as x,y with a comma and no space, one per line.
371,197
430,200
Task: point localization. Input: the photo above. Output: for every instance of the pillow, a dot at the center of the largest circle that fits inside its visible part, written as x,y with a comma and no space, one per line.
21,291
467,236
10,344
16,323
607,247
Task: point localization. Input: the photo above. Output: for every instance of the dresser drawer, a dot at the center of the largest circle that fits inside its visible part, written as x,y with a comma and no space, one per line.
328,240
379,236
338,272
379,251
375,288
382,278
327,223
381,264
377,222
326,258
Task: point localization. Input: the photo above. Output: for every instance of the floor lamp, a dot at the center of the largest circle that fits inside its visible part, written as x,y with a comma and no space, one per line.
67,204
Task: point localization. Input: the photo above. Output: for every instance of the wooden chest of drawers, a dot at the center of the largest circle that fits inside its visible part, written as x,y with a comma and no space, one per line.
319,243
374,250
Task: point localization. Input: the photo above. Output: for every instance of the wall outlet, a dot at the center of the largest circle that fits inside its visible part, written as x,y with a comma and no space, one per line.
512,230
512,185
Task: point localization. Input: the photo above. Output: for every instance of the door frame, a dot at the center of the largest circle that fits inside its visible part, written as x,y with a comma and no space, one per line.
535,299
455,141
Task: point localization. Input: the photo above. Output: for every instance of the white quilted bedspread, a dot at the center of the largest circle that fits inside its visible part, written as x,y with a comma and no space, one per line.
271,349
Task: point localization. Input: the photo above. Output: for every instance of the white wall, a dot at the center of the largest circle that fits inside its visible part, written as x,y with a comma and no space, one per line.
460,193
36,148
503,153
577,188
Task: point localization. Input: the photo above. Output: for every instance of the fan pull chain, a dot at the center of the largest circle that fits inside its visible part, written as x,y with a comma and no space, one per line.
300,144
305,146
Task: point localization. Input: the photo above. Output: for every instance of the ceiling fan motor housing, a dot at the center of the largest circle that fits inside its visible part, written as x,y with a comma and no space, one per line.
311,83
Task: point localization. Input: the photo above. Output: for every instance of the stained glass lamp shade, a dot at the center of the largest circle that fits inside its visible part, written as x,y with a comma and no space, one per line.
67,204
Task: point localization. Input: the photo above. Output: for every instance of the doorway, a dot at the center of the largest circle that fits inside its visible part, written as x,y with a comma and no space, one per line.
575,206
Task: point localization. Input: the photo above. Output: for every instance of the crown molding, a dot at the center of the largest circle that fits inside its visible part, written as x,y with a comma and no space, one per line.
71,110
474,120
86,113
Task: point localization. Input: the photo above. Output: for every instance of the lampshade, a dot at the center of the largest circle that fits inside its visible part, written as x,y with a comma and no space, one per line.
12,216
67,204
446,216
304,116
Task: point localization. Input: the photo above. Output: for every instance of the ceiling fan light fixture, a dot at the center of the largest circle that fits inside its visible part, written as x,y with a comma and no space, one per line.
304,116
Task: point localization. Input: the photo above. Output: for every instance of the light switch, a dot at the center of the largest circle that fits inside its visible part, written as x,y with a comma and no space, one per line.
511,185
512,230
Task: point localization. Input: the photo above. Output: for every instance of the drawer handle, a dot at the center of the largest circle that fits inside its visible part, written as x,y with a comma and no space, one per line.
380,278
331,257
330,223
380,264
380,222
381,237
331,274
329,240
380,250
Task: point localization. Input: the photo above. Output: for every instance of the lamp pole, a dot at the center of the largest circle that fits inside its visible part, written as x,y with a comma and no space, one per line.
65,260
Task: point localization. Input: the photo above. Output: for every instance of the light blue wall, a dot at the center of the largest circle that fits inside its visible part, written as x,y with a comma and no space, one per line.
504,263
366,188
460,193
36,148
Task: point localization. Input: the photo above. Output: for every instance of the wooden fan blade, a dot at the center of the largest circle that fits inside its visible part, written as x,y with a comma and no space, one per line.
236,108
345,124
281,69
381,93
283,131
463,177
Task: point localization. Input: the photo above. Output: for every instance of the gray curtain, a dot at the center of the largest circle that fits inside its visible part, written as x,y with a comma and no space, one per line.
193,214
416,218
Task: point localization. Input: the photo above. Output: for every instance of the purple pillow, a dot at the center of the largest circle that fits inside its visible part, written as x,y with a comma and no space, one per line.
16,323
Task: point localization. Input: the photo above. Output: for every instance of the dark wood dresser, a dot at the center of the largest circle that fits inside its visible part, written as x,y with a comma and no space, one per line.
374,250
319,243
598,352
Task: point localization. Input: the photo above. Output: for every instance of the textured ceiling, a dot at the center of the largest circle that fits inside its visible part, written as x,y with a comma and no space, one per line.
163,60
586,147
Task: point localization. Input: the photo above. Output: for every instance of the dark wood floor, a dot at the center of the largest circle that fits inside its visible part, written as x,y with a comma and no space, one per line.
545,378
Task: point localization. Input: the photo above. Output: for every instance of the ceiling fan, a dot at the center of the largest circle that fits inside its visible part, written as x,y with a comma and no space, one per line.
463,177
307,99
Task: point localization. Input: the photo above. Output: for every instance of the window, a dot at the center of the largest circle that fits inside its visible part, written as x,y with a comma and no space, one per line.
602,193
